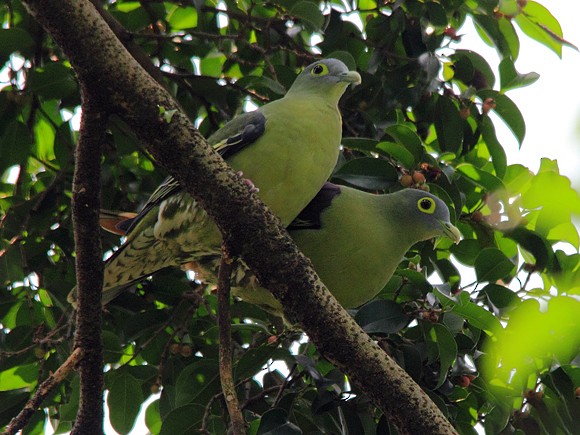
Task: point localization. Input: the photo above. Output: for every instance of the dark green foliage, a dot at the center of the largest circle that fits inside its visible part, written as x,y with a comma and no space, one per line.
419,118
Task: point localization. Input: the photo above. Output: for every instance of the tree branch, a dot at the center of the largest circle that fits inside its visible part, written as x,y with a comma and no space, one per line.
89,263
225,350
42,392
249,228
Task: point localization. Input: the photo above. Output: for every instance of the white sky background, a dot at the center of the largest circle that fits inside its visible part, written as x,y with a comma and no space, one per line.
550,107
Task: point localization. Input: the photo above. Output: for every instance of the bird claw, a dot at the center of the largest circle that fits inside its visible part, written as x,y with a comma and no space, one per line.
248,183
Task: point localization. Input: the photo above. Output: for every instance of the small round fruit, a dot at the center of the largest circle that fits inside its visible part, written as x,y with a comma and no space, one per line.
419,178
406,180
155,388
463,381
488,104
186,351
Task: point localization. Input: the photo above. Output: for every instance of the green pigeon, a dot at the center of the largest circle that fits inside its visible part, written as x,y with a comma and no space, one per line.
286,148
354,239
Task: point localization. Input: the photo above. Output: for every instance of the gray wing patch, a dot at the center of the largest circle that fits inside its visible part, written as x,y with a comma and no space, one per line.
230,139
227,141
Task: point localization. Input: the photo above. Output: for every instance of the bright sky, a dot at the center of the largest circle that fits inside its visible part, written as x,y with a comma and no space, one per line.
550,107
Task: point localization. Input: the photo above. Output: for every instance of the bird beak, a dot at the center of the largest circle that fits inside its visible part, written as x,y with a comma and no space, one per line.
350,77
451,231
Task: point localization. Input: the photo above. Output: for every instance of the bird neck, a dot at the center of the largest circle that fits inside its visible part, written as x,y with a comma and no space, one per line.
330,97
399,223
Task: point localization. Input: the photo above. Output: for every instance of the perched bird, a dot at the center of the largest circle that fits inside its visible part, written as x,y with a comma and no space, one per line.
354,239
287,148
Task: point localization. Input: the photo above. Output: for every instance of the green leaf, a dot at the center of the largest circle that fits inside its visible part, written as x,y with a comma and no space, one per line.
17,377
498,156
15,145
491,265
508,112
472,69
511,79
197,382
466,251
68,410
182,17
368,173
275,422
153,418
52,81
535,244
124,402
500,298
14,40
309,14
111,346
261,82
517,179
382,317
252,361
11,403
446,349
553,194
538,23
533,338
360,143
183,420
490,27
406,137
510,36
35,426
212,64
398,152
448,125
480,177
474,314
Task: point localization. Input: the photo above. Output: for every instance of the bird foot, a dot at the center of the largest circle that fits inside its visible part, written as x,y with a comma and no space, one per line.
248,183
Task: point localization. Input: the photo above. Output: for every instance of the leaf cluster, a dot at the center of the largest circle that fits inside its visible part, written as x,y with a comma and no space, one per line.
421,118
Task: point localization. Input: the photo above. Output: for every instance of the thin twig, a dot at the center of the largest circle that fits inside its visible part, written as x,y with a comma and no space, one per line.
42,392
286,382
225,351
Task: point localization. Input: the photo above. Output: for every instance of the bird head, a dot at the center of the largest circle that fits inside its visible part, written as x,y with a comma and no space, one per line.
424,215
327,77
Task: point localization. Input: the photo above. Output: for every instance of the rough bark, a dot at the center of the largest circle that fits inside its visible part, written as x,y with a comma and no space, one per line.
89,266
238,425
249,229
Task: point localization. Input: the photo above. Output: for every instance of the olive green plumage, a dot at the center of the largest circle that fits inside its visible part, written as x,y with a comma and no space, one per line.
356,240
287,148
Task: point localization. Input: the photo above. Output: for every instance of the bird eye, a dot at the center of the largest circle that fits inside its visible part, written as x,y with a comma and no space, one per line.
426,205
319,69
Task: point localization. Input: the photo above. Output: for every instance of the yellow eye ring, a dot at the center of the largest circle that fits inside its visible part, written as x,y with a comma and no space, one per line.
426,205
319,70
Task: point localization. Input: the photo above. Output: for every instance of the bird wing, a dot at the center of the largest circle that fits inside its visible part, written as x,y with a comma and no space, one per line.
234,136
310,217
